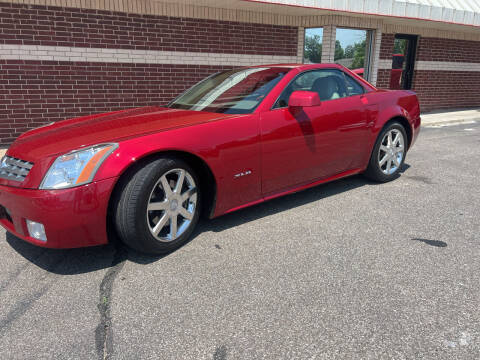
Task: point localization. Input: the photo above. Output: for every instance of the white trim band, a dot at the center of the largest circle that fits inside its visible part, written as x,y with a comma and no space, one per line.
63,53
435,66
384,64
447,66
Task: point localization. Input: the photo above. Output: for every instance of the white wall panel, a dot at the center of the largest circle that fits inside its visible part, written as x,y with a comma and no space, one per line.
385,7
466,12
469,17
436,13
412,10
459,16
341,5
371,6
399,8
458,11
477,19
356,5
447,15
424,11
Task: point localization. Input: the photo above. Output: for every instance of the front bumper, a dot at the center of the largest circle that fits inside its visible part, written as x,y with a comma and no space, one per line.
75,217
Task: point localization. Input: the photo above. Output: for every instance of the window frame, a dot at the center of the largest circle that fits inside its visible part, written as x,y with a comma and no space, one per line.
410,58
304,40
310,70
369,49
253,110
356,82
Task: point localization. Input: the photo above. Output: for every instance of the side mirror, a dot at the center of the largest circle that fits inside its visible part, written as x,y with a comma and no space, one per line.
304,99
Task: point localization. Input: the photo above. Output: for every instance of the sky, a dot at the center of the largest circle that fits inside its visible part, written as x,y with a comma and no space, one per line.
345,36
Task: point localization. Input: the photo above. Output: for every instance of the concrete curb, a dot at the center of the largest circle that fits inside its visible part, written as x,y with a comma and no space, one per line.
450,122
451,117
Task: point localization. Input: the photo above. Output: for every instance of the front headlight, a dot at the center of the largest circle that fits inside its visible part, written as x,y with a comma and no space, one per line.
77,167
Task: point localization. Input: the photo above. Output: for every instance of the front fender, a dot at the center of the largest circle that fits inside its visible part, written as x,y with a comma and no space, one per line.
227,147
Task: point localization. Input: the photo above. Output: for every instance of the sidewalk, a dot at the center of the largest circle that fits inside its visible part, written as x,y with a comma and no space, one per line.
437,118
442,118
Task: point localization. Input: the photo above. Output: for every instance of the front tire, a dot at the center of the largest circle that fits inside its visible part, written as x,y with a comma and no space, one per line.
388,154
158,206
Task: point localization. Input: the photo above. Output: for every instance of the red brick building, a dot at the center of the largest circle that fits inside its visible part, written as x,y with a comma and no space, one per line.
66,58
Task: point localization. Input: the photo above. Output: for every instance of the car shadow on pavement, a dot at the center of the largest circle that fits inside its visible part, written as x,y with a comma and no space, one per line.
281,204
285,203
84,260
64,262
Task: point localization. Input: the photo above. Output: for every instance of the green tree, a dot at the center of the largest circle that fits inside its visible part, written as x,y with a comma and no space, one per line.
339,52
400,46
359,54
349,51
313,48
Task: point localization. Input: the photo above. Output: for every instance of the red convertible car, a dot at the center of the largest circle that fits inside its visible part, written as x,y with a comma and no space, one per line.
235,139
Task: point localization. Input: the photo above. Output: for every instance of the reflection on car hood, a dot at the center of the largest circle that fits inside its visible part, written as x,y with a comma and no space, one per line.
72,134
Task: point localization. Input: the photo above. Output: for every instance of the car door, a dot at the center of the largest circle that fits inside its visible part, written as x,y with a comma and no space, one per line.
302,145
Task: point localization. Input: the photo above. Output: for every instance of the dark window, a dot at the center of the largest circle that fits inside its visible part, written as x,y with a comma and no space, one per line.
330,84
403,61
353,87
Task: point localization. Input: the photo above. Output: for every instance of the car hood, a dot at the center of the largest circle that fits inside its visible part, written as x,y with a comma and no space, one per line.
64,136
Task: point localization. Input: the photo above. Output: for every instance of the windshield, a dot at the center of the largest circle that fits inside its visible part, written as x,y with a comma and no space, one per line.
232,92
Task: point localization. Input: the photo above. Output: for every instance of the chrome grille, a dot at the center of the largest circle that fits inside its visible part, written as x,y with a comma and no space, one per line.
14,169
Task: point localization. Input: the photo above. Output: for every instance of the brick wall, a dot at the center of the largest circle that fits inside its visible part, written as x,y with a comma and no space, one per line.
436,87
38,92
54,26
386,51
386,46
383,78
435,49
447,89
36,88
440,89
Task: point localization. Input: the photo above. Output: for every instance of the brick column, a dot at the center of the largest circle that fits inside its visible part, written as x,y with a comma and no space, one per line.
375,56
301,44
328,43
385,60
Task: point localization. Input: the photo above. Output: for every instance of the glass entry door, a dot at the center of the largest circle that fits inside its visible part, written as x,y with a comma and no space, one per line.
403,61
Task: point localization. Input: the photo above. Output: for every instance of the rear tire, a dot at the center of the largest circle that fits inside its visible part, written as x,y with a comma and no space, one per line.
158,206
388,154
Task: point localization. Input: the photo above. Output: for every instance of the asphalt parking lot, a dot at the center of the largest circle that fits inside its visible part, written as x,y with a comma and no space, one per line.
347,270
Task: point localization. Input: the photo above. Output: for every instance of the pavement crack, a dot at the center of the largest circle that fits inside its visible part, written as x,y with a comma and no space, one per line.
12,277
21,308
104,332
26,302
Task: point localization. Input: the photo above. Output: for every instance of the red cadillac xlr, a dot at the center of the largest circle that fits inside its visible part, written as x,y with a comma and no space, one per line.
235,139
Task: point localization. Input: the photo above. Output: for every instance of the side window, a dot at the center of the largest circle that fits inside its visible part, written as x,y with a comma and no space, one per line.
353,87
303,81
328,83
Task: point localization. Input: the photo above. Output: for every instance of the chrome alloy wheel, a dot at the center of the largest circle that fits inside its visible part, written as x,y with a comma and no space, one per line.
172,205
392,150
